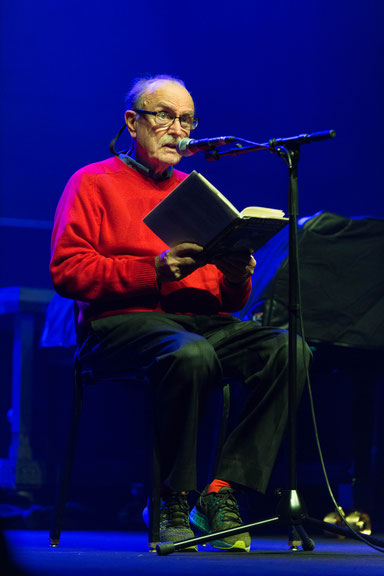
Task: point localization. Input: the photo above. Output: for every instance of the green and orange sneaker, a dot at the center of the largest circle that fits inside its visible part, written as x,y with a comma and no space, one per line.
219,511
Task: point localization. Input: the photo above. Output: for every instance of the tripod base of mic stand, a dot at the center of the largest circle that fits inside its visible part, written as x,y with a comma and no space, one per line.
291,511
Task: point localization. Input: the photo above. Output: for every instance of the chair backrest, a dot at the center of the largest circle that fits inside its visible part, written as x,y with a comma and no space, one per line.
81,331
59,328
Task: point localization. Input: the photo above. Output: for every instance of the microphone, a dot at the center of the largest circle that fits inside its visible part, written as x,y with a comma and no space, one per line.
187,147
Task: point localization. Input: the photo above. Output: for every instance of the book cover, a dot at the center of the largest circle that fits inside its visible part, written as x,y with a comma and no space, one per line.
195,211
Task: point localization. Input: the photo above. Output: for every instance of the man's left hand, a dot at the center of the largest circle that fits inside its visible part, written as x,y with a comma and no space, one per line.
237,267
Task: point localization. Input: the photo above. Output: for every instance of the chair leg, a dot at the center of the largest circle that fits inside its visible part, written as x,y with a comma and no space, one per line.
154,503
65,477
155,477
225,407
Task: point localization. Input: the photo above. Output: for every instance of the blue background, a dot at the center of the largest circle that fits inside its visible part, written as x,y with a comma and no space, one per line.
256,70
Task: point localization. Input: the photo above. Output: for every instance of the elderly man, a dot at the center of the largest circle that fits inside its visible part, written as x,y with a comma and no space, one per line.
166,311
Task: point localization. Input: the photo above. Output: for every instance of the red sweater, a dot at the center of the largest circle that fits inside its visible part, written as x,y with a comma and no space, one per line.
103,255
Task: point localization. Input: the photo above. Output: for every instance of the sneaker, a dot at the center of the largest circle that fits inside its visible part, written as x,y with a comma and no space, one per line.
219,511
174,521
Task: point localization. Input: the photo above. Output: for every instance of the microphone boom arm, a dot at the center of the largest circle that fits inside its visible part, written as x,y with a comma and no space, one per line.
273,145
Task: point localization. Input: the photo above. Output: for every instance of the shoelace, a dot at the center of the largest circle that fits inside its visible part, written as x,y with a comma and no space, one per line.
175,509
226,507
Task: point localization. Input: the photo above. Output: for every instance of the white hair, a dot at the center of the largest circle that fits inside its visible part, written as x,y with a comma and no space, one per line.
134,98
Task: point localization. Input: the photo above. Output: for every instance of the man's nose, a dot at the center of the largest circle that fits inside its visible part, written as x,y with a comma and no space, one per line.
175,127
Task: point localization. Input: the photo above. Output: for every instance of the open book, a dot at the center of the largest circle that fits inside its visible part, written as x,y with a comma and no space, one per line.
195,211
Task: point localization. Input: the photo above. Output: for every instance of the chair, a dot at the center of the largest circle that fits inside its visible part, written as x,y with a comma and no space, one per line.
82,379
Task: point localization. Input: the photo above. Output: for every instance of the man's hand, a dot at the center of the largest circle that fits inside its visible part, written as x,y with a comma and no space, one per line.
237,267
178,262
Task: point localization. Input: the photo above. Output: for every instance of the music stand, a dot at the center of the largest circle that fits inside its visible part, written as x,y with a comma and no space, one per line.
291,509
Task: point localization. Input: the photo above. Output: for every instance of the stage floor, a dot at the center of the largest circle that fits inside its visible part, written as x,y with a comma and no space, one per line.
110,553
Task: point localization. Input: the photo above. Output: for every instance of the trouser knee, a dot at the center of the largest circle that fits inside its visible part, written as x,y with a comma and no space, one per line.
197,356
189,358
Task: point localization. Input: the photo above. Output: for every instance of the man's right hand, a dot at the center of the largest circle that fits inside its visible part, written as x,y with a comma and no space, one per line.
178,262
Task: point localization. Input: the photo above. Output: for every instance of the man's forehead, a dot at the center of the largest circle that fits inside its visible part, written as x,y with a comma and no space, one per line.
166,92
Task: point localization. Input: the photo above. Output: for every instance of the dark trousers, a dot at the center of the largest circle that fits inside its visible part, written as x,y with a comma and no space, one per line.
186,357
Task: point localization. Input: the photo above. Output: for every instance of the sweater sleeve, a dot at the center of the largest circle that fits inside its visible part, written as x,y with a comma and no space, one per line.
234,297
81,268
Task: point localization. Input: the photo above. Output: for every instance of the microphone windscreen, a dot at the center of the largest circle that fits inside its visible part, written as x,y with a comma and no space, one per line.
182,147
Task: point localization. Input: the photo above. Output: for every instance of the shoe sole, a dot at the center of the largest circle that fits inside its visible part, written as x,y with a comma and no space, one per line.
200,522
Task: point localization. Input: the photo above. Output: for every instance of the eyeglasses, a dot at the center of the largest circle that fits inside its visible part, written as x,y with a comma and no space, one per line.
165,119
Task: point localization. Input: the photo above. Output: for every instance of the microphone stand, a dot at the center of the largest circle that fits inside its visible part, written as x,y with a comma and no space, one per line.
291,509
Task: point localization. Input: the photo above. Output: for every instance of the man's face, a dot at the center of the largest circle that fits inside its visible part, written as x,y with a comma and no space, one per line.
156,145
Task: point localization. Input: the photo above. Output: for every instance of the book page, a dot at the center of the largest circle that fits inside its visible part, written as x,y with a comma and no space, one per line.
219,194
260,212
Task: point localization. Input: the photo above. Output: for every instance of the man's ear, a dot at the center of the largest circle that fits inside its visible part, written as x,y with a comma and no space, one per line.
130,120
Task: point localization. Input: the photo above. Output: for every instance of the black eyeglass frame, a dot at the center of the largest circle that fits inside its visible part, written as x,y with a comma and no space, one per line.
194,118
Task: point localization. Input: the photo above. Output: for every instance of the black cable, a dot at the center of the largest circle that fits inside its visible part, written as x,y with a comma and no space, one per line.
114,140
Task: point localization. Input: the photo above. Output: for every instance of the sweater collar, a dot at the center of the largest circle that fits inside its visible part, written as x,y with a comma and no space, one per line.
129,161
